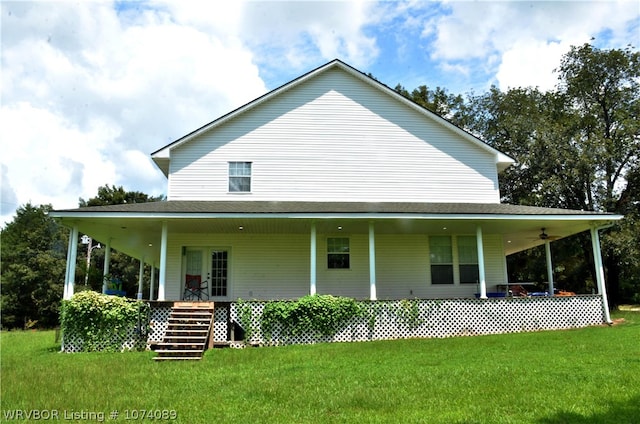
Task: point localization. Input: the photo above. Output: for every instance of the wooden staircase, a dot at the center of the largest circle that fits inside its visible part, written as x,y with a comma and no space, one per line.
189,332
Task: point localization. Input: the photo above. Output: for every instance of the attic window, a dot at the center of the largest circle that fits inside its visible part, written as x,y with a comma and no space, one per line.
240,177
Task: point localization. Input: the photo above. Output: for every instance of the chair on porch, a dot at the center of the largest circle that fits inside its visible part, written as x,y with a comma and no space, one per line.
195,288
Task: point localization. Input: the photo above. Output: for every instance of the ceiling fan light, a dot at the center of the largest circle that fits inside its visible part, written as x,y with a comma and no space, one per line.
543,235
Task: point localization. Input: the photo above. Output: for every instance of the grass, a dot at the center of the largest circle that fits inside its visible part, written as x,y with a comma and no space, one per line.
589,375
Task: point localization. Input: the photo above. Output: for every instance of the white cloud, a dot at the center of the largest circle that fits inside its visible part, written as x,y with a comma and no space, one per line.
531,63
99,85
89,91
8,197
303,32
528,37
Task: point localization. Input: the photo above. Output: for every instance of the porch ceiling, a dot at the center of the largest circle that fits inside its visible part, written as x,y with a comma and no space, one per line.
140,236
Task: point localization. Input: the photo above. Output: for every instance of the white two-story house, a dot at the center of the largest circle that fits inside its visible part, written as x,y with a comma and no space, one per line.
332,184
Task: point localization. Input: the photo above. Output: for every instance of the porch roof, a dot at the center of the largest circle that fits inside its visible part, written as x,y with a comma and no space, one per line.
135,229
180,207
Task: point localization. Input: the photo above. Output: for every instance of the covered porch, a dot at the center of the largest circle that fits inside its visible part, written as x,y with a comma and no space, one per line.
279,250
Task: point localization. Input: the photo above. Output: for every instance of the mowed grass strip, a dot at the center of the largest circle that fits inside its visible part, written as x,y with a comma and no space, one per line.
574,376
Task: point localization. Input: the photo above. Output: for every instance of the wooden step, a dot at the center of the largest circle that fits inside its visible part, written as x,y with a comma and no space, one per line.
198,345
188,329
188,323
188,319
177,358
193,305
186,337
191,313
188,334
183,318
194,351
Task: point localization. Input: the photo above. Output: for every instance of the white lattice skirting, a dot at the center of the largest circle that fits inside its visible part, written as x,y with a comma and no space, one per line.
399,319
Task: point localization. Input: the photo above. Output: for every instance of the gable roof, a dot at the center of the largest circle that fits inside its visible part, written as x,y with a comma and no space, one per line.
161,157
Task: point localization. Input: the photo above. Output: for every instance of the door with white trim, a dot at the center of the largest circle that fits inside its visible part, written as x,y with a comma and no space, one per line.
218,273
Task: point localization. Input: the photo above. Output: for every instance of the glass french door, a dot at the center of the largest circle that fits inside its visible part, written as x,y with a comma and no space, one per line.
219,272
211,266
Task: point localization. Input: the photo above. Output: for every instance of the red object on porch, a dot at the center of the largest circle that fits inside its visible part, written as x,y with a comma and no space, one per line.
194,288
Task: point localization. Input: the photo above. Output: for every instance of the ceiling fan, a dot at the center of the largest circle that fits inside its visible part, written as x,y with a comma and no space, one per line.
544,236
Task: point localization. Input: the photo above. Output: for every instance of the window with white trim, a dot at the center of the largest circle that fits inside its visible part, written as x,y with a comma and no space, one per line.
338,253
441,255
468,259
239,177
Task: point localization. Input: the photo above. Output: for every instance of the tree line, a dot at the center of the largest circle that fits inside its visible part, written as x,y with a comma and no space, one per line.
34,251
576,147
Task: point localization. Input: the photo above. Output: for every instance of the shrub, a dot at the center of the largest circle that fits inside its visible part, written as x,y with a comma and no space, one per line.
317,315
103,322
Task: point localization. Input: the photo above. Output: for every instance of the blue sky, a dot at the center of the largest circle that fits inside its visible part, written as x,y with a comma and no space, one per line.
89,89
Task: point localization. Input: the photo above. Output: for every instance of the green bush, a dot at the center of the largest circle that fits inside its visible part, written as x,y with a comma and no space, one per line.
103,322
245,315
316,315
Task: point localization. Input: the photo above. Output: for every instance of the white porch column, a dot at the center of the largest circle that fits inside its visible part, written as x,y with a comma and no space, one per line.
481,276
597,260
65,287
313,260
72,257
140,278
152,284
372,263
163,261
547,249
107,265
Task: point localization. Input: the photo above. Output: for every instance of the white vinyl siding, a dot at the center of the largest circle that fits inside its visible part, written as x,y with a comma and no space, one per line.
277,266
335,138
352,282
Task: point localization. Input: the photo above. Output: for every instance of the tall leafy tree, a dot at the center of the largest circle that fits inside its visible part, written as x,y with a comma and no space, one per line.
603,90
122,266
576,147
439,101
112,195
527,124
34,249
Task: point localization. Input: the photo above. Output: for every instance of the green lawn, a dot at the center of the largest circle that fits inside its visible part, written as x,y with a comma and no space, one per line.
590,375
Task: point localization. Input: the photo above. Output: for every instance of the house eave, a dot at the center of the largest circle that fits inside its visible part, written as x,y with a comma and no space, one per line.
135,228
502,160
332,215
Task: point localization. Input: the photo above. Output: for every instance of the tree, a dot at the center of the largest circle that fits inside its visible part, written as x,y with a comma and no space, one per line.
531,126
34,249
117,196
34,256
576,147
122,266
438,101
603,89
